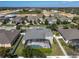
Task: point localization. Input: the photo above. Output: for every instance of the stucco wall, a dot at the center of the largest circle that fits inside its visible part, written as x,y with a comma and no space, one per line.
5,45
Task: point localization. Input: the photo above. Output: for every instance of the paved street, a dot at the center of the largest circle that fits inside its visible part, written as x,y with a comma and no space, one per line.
64,52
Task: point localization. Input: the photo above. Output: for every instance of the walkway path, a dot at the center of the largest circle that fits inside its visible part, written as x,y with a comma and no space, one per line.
61,46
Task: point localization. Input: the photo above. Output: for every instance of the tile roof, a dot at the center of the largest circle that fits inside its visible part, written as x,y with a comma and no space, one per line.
69,34
37,33
7,36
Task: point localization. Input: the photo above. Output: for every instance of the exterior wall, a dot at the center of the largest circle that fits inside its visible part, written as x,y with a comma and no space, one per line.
41,44
8,45
50,39
73,43
15,39
5,45
67,41
23,41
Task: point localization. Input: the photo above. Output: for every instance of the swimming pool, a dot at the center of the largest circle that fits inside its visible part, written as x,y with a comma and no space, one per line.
36,46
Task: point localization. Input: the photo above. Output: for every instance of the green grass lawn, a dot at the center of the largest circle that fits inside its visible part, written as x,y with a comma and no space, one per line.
46,51
62,25
29,12
69,50
8,25
56,51
19,49
56,33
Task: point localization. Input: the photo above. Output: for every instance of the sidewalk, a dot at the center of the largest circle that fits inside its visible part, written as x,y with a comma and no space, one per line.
64,52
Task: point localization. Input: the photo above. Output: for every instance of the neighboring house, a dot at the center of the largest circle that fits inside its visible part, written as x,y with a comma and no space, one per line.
38,38
8,38
51,20
32,18
17,20
2,17
70,36
62,18
10,16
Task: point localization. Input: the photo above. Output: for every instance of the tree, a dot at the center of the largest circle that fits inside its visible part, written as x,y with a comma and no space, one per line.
53,27
58,21
46,22
65,27
31,22
25,18
38,21
31,53
78,26
26,52
3,51
43,16
10,55
65,22
35,22
24,10
50,16
4,22
73,26
75,19
18,27
23,22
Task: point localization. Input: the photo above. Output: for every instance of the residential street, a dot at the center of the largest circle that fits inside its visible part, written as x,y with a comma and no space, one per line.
64,52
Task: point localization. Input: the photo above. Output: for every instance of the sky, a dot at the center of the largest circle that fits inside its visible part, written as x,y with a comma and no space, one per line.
39,3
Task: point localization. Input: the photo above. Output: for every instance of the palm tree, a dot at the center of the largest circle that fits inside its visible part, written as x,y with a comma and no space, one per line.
43,16
46,22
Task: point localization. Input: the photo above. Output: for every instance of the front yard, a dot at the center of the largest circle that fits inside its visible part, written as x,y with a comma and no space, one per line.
70,51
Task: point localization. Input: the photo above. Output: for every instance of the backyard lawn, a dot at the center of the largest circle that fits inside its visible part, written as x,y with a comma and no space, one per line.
18,51
54,51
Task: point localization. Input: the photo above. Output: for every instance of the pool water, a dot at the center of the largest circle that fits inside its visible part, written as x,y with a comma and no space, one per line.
35,46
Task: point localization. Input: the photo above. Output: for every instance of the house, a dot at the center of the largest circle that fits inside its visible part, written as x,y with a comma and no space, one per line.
34,19
10,16
8,38
38,38
51,20
62,18
2,17
70,36
17,20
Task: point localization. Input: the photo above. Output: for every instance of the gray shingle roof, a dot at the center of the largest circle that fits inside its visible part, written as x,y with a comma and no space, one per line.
52,19
37,33
69,34
32,18
8,36
17,19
